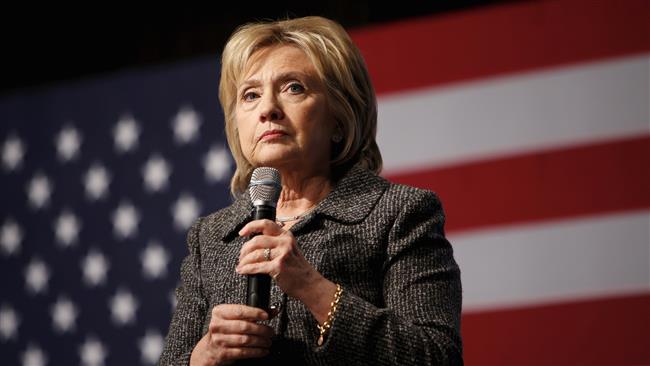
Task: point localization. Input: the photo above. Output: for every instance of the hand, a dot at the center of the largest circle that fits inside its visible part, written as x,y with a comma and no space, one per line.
233,334
288,267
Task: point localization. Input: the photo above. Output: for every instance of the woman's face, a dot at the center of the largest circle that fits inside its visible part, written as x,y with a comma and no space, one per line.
281,114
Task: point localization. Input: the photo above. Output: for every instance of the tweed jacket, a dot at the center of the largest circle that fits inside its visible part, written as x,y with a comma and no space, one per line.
383,243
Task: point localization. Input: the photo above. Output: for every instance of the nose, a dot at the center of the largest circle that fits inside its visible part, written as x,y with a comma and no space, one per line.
270,109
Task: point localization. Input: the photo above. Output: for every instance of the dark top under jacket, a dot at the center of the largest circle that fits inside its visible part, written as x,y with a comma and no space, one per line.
383,243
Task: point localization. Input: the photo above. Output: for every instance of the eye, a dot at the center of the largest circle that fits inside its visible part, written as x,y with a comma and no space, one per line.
250,96
296,88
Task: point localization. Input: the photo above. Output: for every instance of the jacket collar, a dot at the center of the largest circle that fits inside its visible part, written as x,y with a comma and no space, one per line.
237,214
353,196
350,201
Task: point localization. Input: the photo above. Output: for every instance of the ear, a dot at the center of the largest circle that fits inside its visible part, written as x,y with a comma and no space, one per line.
337,135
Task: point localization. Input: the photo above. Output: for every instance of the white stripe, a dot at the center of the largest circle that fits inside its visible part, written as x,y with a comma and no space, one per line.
554,261
514,114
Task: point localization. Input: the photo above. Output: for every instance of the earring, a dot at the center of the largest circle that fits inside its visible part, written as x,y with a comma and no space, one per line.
337,136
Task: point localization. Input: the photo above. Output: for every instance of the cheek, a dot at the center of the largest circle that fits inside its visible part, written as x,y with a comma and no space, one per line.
244,135
321,125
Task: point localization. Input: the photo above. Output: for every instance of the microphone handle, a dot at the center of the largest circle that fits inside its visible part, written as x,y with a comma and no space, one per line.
258,292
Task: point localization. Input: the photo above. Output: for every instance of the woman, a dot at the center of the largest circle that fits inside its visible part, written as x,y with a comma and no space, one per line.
362,272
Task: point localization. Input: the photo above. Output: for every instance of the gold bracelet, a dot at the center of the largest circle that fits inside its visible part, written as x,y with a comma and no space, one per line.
330,315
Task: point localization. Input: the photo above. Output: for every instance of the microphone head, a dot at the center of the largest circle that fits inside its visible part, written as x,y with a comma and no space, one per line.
265,186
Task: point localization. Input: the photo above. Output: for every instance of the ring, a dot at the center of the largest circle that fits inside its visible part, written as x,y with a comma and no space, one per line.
267,254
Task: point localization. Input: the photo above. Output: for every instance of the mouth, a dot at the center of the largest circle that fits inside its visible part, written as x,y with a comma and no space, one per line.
271,134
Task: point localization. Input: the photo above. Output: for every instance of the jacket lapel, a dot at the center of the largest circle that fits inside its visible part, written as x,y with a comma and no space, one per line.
350,201
239,213
354,196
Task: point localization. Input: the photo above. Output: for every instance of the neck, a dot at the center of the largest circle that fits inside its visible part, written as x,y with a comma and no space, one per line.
300,193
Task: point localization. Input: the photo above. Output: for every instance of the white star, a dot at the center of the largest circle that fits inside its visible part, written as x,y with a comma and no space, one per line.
92,352
94,267
9,321
151,346
64,314
123,306
186,125
10,237
125,221
68,142
13,151
185,210
216,164
96,181
156,173
34,356
154,261
36,276
67,228
39,190
126,133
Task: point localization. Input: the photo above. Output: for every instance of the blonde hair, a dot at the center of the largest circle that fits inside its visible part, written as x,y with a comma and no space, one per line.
341,69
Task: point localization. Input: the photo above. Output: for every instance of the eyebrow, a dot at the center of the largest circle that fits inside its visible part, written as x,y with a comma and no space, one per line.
279,78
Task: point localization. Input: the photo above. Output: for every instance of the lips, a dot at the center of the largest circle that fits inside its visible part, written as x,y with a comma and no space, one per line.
271,134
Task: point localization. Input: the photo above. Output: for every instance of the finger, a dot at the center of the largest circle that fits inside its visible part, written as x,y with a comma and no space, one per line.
282,248
241,353
239,312
266,227
240,327
265,267
258,255
259,242
264,254
240,340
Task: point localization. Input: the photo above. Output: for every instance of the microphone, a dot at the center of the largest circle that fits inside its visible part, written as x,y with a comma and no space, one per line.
264,189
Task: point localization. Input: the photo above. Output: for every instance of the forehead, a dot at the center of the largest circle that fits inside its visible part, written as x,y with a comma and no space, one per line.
277,59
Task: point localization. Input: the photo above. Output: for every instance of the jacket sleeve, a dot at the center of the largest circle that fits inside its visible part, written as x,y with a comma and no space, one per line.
420,321
186,325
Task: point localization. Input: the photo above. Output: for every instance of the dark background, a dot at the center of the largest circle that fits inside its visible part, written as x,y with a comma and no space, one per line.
42,46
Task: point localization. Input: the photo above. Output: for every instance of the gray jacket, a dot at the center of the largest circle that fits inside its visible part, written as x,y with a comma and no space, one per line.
383,243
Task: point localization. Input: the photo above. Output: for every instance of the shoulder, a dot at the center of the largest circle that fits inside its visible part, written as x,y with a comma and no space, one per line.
408,193
362,195
413,209
219,223
417,218
360,181
405,198
218,216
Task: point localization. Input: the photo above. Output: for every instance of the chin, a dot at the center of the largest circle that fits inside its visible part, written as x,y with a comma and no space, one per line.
277,164
275,155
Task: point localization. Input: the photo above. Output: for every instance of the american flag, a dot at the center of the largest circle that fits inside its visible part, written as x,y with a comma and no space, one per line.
100,182
530,120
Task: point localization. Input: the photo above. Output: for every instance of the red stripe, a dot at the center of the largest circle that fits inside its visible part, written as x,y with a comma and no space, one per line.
609,331
582,180
503,39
